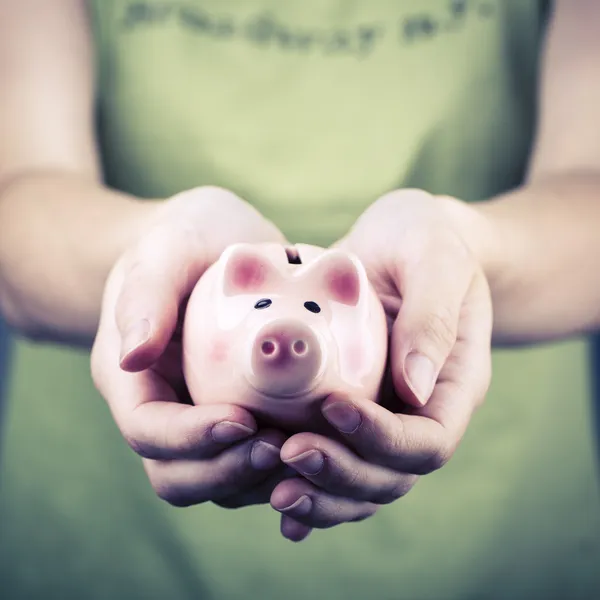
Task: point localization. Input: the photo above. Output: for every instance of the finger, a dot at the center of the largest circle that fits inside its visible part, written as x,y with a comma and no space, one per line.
411,443
337,470
432,286
169,430
425,440
259,494
293,530
184,483
154,423
306,504
405,443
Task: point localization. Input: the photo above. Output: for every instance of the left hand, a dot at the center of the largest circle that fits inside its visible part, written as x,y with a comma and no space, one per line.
438,303
192,453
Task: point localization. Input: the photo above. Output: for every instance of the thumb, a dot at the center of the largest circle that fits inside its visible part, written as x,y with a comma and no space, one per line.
156,279
189,234
426,327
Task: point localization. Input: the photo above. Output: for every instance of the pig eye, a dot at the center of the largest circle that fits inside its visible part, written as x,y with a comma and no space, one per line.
312,306
264,303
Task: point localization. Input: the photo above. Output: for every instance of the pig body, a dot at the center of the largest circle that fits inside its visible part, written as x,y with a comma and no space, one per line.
276,332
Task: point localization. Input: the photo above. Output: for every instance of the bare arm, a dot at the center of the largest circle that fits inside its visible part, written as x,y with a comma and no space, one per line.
538,246
543,266
61,230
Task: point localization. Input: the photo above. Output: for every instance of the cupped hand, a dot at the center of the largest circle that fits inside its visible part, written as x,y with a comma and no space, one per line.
439,311
192,454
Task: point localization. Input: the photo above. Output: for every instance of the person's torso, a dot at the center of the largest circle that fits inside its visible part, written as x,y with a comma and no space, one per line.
310,110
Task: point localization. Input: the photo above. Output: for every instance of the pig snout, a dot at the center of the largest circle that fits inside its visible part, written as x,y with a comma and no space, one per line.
287,359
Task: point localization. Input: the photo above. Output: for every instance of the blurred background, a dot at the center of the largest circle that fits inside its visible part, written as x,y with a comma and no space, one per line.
596,363
4,353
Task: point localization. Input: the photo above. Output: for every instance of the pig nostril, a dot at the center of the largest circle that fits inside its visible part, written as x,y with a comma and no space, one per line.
268,348
299,347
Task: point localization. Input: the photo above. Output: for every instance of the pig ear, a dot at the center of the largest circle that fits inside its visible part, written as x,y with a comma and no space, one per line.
247,270
341,276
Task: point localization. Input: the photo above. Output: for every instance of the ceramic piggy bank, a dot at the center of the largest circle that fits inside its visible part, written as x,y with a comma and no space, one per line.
276,329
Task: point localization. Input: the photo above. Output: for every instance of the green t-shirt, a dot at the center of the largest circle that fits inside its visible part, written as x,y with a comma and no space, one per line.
310,110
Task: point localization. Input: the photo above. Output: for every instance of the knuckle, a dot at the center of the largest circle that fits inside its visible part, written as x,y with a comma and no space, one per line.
184,443
136,444
438,458
456,247
391,445
396,490
471,389
165,490
175,497
125,309
135,271
143,266
351,478
225,481
301,487
133,434
238,474
329,514
364,515
182,440
460,387
439,327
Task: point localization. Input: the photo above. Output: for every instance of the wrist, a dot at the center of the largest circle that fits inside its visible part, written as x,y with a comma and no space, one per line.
55,255
482,229
134,218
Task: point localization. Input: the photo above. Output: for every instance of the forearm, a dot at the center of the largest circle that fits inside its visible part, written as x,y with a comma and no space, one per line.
540,248
59,237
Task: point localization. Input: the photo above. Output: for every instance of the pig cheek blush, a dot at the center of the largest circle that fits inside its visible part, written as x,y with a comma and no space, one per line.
219,350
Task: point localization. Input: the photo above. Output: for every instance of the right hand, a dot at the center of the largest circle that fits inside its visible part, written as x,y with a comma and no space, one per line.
192,454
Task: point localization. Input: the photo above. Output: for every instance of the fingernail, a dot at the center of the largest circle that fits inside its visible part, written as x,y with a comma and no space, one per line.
308,463
228,432
264,456
300,508
421,375
343,416
136,335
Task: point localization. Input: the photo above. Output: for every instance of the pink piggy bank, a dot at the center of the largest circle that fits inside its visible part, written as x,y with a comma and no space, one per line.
277,329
